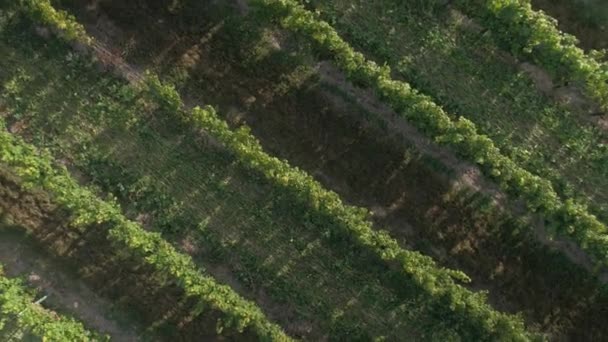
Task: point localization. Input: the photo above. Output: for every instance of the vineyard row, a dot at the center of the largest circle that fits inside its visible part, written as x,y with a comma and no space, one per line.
534,36
36,170
20,315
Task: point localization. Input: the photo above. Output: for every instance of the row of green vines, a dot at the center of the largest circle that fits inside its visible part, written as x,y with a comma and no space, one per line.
534,36
36,170
20,314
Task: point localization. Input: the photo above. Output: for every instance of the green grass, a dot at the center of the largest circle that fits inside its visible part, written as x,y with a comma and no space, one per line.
69,109
470,77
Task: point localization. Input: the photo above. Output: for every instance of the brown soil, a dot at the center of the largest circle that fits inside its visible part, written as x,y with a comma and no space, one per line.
425,206
66,293
590,35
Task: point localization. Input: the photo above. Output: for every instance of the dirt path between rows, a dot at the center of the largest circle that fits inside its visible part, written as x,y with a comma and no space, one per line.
66,293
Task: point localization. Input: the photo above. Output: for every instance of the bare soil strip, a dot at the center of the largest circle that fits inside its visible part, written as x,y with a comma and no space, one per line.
66,293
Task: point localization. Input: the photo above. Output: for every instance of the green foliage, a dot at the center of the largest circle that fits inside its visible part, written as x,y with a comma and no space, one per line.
36,169
17,308
42,11
431,119
534,36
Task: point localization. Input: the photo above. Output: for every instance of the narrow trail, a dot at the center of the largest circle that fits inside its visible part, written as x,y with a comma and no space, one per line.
22,258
